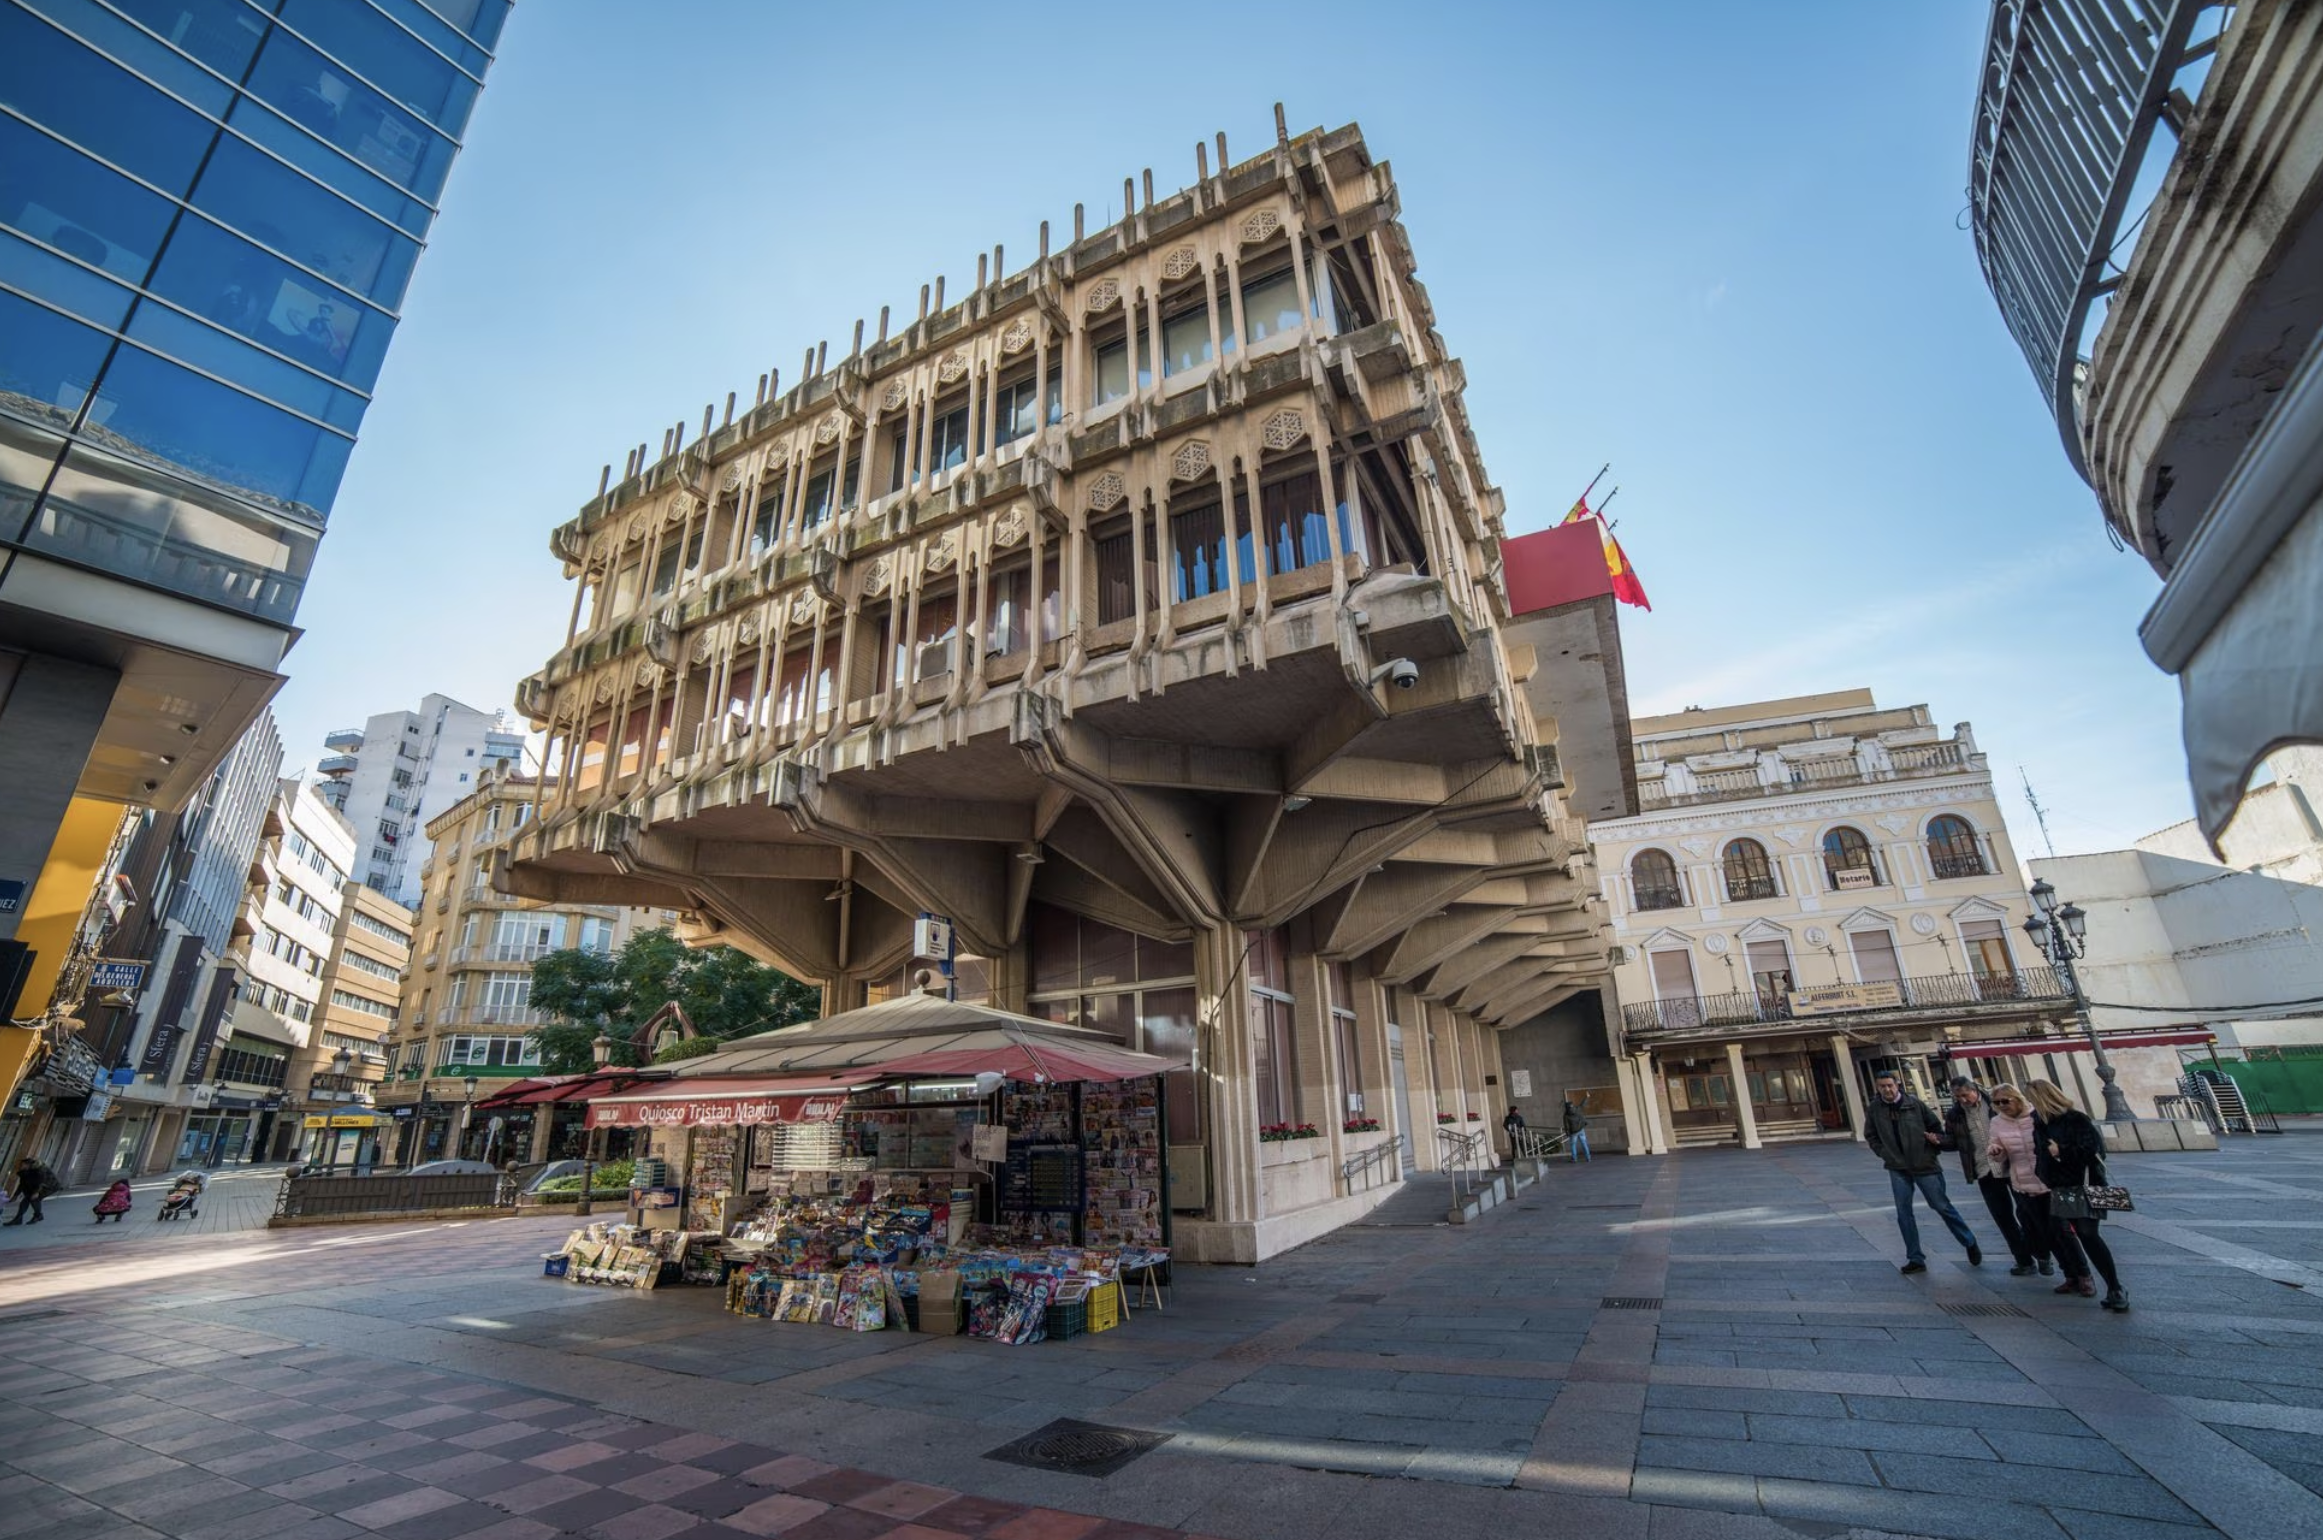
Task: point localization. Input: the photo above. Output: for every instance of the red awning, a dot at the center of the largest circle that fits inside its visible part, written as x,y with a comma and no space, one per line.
542,1090
715,1102
1050,1062
2023,1049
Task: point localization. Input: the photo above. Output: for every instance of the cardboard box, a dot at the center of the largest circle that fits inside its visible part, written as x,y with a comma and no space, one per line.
940,1302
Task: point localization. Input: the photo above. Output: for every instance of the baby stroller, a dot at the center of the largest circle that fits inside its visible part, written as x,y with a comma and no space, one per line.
185,1196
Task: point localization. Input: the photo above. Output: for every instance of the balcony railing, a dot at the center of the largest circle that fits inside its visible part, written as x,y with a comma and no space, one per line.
2072,90
1712,1014
1906,761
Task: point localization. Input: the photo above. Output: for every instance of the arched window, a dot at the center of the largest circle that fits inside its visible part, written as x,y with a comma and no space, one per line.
1654,876
1748,875
1952,848
1847,859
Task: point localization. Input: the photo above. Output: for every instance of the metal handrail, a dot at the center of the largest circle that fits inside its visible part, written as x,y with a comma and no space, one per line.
1710,1013
2072,91
1364,1162
1532,1145
1461,1157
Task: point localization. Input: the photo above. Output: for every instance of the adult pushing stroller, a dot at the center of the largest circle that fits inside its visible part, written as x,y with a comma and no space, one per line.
184,1198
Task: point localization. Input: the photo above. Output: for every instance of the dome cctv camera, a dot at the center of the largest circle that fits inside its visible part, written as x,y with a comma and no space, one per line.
1403,673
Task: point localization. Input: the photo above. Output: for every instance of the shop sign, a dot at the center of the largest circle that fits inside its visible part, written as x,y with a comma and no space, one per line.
1853,877
100,1106
716,1112
110,974
1832,999
931,937
988,1141
11,896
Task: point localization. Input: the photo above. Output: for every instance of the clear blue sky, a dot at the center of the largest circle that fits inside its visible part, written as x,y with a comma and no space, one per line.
1718,245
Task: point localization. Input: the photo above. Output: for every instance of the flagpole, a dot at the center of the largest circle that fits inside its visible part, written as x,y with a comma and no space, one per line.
1601,507
1583,499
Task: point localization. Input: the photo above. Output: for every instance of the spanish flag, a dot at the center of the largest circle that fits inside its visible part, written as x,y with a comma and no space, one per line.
1626,587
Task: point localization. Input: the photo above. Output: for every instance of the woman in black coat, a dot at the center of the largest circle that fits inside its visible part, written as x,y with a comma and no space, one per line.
2072,1154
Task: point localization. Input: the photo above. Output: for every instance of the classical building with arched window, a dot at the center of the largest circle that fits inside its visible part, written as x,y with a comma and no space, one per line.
1812,889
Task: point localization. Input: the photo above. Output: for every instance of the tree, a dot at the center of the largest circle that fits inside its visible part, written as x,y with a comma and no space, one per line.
725,993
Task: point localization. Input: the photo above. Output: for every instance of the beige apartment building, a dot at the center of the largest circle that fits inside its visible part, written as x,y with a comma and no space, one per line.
1813,889
1145,613
466,999
328,1116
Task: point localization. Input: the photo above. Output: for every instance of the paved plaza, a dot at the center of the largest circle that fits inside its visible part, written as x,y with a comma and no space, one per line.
1715,1343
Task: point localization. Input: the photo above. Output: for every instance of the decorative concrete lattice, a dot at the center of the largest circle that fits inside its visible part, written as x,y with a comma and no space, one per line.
1016,336
648,674
1011,526
828,429
1107,491
1261,224
732,480
638,524
604,691
802,608
1103,296
893,396
1179,263
681,508
953,366
1191,460
882,569
942,554
703,645
747,635
1283,429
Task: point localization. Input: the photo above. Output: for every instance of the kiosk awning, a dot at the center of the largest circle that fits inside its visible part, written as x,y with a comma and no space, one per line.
2025,1048
715,1102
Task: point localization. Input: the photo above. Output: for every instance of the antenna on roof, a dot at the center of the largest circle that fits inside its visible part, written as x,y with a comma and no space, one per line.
2040,814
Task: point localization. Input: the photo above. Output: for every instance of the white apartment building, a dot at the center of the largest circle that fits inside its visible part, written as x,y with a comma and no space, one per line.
401,769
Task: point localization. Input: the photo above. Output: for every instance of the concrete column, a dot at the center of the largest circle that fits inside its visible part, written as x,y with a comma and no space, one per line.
50,711
1847,1086
1745,1116
1649,1085
1633,1112
544,1124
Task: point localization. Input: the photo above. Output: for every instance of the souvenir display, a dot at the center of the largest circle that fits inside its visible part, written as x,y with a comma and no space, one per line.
621,1256
1120,1135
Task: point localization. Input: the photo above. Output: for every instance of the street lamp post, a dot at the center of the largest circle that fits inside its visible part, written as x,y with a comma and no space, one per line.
2059,931
602,1049
467,1113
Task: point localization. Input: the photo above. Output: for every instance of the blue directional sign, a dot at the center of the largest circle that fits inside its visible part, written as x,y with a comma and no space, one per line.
107,974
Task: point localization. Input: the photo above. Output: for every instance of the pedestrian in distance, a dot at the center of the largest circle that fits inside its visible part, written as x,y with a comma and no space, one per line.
1512,1124
1906,1137
2014,1151
1576,1133
1968,1129
113,1204
34,1182
2071,1153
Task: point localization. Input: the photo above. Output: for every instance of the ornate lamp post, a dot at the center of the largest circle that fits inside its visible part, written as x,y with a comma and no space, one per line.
602,1049
2059,931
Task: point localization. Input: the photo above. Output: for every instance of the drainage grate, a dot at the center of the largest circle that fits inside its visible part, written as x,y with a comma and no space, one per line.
1078,1448
1982,1310
1629,1302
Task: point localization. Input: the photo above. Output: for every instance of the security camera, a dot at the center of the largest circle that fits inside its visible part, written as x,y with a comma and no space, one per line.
1403,673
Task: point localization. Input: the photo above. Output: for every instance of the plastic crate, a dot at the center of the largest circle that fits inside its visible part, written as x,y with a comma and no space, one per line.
556,1266
1105,1307
1066,1320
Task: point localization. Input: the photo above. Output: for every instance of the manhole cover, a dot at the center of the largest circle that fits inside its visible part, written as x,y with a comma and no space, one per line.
1981,1310
1079,1448
1629,1302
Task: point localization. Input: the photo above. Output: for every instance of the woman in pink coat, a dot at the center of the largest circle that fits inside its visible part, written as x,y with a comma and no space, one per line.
2013,1150
114,1203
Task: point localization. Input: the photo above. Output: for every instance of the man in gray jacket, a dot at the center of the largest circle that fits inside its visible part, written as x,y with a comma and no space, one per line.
1905,1135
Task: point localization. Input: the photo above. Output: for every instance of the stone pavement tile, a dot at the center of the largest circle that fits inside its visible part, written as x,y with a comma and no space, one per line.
615,1468
715,1499
43,1510
1729,1399
384,1446
2138,1497
1864,1433
1984,1417
732,1460
666,1481
233,1520
513,1529
157,1501
408,1504
792,1471
272,1462
145,1467
471,1473
536,1493
1111,1529
836,1486
2085,1454
776,1514
569,1455
1692,1422
902,1499
323,1526
687,1446
1802,1462
1276,1500
971,1516
651,1522
1906,1513
1046,1524
584,1510
1726,1491
2113,1526
838,1524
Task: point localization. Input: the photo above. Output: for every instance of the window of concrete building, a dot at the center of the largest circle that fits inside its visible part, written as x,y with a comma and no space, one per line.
1016,410
899,468
766,521
1875,956
1653,879
1109,374
626,591
1273,1025
1291,519
872,665
1770,974
1346,1037
829,491
1185,333
595,934
1847,860
948,442
1197,549
1952,848
1270,304
1115,553
933,642
1008,599
1748,874
1136,989
589,772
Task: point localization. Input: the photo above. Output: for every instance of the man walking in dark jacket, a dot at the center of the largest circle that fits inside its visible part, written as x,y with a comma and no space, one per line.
1968,1129
34,1182
1905,1136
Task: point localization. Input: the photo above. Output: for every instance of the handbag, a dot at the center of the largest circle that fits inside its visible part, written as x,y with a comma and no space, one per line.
2091,1198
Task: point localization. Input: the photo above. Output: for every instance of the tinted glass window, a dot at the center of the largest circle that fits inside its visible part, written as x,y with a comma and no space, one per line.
96,104
49,362
273,131
285,212
1270,306
229,281
149,57
334,106
25,457
221,33
437,33
389,57
107,513
61,197
480,19
30,270
212,351
219,433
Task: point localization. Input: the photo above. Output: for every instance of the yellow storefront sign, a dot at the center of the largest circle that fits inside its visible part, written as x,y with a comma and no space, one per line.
1834,998
341,1120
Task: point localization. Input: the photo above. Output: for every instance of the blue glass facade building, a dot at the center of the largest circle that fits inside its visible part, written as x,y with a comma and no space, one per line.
209,212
